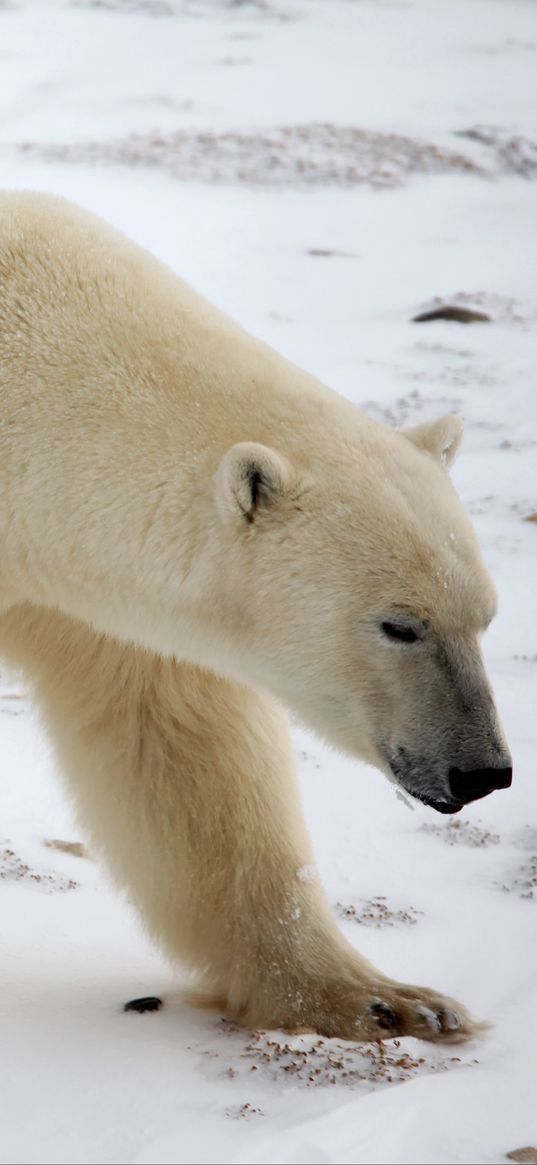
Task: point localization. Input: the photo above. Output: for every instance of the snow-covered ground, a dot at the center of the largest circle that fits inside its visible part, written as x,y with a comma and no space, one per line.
307,164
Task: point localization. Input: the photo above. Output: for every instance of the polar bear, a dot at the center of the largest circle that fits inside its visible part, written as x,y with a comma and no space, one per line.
197,535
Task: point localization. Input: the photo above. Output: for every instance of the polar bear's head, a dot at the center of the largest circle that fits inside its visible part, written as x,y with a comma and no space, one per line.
352,586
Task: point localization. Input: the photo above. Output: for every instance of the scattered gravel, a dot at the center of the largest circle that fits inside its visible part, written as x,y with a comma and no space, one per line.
316,154
13,869
523,881
513,153
375,912
462,833
310,1061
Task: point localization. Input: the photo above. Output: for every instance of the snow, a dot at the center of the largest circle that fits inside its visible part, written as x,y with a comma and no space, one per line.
331,275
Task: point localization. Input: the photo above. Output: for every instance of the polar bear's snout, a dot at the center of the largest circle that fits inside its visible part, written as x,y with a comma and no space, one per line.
449,789
442,736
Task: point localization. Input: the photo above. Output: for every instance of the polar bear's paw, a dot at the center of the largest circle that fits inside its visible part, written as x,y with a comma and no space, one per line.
361,1006
392,1010
416,1011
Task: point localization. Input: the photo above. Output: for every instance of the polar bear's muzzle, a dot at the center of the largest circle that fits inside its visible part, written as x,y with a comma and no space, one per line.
446,745
461,787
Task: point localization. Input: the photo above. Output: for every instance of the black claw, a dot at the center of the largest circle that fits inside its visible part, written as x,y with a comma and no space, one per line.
385,1016
148,1003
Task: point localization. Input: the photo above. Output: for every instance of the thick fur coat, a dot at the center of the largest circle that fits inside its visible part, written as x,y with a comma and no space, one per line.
195,535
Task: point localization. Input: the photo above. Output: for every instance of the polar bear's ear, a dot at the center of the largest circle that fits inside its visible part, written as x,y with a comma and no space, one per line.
440,438
250,478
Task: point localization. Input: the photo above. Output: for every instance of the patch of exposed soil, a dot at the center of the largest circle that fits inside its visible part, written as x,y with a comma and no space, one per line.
497,308
143,7
512,153
266,8
315,154
407,408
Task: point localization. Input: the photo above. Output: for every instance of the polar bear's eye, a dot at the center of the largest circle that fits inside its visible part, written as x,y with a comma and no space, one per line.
403,633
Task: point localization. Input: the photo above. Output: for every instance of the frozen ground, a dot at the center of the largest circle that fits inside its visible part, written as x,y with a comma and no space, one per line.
307,165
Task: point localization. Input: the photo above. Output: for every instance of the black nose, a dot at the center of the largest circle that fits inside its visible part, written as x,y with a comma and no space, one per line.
476,783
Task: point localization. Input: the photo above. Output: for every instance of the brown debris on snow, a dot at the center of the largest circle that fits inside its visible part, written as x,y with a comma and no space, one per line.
482,306
244,1111
462,833
312,154
458,315
524,881
513,153
327,1062
13,869
376,912
75,848
312,1061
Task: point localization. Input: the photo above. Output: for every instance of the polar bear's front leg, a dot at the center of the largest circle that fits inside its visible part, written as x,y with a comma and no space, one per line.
186,783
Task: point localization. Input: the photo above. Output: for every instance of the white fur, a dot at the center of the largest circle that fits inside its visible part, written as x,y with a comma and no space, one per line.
195,532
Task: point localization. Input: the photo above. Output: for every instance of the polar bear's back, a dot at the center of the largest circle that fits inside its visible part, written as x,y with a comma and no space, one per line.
61,265
75,293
